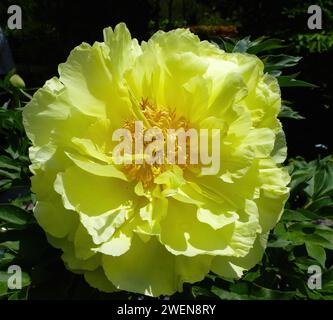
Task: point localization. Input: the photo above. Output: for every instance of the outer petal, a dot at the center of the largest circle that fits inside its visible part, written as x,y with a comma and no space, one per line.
273,193
147,268
98,280
102,170
150,269
123,50
232,267
264,103
75,186
54,218
50,117
224,236
70,259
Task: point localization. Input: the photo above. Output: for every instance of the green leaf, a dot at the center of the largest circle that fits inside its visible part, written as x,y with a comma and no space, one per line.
252,275
279,152
323,181
224,44
323,231
7,163
6,259
10,175
303,263
320,203
297,216
227,295
19,295
242,45
279,243
5,184
287,112
265,45
14,215
3,288
320,241
11,245
296,238
327,280
290,81
259,292
200,292
244,291
5,275
278,62
316,252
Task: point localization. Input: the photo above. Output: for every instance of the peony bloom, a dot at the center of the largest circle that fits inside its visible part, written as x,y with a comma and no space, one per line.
151,228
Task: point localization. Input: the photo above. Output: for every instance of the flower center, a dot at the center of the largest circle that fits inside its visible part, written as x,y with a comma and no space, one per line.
162,119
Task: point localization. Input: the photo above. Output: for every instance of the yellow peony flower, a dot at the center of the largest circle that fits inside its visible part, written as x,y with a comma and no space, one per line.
150,228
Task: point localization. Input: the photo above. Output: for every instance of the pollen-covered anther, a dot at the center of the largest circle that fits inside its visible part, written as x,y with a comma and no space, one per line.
162,118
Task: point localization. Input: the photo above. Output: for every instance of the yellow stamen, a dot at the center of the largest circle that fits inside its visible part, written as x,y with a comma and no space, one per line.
164,119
